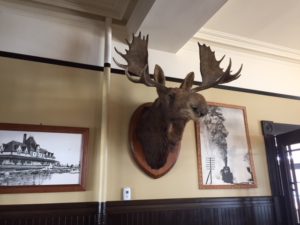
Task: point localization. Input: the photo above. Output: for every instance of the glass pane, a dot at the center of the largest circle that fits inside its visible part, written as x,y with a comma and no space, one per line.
297,172
295,146
296,156
292,177
297,207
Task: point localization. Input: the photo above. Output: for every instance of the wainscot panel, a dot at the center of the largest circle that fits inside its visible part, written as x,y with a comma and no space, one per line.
204,211
87,213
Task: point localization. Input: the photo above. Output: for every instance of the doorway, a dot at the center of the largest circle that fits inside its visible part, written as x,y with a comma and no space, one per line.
283,154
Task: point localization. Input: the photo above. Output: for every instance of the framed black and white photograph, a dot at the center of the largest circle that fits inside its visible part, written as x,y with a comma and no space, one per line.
38,158
223,148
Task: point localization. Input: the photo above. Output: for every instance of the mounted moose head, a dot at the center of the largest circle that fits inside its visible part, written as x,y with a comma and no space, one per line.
156,128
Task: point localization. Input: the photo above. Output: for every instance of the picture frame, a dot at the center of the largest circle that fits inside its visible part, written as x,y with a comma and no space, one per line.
223,148
39,158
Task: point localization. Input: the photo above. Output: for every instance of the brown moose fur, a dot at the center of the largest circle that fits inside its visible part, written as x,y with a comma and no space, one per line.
161,126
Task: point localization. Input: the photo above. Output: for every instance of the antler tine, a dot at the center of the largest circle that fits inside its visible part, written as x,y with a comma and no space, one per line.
121,54
238,73
119,64
221,59
144,79
211,72
137,58
127,42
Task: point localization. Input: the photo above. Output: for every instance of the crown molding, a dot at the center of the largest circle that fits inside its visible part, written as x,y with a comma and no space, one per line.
249,45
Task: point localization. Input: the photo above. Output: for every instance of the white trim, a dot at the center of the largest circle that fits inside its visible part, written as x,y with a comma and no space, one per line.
248,44
108,40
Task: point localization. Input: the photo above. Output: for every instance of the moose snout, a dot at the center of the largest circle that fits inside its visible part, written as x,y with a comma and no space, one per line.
200,111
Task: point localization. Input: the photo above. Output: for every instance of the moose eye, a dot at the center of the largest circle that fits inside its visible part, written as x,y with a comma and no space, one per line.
171,97
195,109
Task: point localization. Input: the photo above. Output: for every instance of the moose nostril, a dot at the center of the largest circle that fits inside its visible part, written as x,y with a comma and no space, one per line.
203,114
200,112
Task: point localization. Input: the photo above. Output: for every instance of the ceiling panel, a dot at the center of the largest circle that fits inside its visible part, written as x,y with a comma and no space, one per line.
118,10
273,22
107,8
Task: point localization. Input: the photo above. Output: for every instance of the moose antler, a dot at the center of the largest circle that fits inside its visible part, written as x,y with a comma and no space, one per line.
137,59
156,129
211,72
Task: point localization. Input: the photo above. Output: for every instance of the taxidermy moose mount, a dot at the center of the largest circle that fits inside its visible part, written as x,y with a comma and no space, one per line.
156,128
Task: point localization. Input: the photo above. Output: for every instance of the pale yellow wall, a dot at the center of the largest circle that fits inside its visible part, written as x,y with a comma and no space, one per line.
38,93
35,93
182,180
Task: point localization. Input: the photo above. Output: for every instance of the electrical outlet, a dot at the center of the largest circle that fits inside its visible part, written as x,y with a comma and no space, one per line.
126,193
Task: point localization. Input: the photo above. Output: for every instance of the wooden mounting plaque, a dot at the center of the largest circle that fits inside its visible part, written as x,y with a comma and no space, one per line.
137,148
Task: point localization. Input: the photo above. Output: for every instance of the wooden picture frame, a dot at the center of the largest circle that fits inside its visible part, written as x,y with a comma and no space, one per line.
223,149
38,158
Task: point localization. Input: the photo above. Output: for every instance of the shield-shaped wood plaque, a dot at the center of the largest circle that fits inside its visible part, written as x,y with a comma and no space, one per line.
137,148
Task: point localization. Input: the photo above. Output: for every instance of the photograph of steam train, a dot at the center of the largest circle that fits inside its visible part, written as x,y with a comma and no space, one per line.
224,153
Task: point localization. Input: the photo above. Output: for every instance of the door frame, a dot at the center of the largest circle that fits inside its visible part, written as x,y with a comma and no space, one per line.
282,203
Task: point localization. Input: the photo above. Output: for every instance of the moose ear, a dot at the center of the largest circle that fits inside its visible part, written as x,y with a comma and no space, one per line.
187,83
159,75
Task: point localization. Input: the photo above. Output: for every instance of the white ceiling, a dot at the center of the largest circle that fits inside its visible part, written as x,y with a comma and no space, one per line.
272,21
171,23
112,8
118,10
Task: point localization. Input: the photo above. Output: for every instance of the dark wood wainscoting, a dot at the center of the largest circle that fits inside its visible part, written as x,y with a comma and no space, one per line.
202,211
87,213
